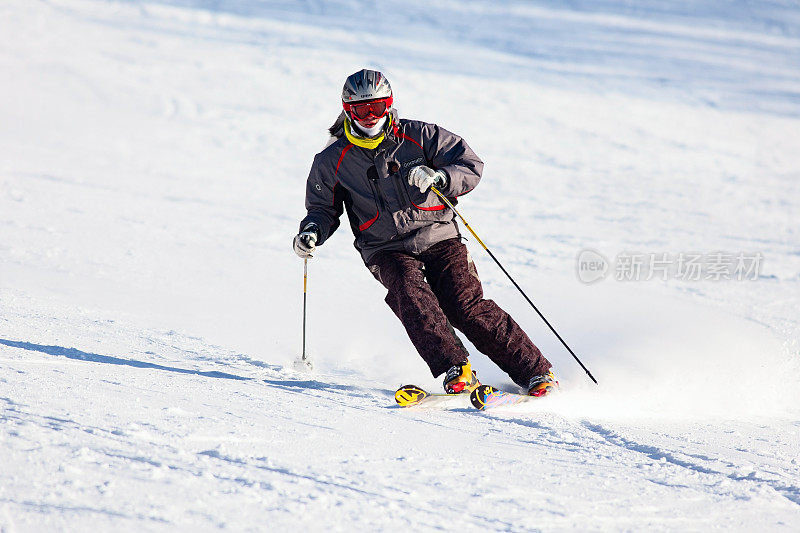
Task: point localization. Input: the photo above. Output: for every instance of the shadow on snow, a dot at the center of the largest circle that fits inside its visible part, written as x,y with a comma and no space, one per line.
73,353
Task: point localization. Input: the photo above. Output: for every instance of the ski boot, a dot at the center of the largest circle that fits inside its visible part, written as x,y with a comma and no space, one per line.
460,378
541,385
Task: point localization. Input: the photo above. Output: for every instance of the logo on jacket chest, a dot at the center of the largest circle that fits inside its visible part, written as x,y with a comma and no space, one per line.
405,166
413,162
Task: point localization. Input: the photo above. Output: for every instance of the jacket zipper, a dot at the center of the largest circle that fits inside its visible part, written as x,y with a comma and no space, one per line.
379,201
372,174
402,192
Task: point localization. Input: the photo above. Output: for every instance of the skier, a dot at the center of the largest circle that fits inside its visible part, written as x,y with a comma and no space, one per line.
380,168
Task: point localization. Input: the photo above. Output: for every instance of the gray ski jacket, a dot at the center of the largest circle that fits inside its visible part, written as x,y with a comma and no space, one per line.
385,212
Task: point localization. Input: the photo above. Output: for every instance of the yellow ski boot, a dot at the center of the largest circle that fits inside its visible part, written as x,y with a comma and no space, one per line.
460,378
541,385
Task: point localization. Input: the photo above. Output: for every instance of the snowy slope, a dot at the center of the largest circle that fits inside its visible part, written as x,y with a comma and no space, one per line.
152,166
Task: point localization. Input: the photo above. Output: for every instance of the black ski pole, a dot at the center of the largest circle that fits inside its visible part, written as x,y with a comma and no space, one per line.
451,206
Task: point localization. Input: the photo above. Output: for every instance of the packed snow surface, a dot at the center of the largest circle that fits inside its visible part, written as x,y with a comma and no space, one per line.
153,157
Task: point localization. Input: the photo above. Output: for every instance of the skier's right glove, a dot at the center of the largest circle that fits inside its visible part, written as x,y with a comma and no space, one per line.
305,242
423,177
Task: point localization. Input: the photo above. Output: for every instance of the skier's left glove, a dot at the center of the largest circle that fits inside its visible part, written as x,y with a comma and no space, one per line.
305,242
423,177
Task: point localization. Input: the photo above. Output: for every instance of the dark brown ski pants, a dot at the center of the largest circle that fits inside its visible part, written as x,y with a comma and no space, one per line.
439,287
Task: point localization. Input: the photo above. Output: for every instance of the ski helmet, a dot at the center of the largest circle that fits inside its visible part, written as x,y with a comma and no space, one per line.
366,85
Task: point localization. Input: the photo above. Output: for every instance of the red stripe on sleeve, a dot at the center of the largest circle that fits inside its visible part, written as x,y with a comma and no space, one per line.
339,163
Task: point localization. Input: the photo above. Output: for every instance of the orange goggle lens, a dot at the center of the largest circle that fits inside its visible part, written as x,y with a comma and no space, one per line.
362,110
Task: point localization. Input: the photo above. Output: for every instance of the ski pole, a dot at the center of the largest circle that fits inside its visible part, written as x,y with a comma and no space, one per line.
451,206
304,363
305,293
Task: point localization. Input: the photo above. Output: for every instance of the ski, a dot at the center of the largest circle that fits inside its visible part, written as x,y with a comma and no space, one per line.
485,397
411,395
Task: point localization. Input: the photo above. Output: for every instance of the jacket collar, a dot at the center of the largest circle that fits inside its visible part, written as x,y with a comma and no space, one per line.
393,126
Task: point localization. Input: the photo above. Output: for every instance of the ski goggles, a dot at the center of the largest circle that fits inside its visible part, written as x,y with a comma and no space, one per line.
362,110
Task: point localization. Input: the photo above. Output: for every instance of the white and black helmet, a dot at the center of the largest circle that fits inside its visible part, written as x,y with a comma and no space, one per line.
365,85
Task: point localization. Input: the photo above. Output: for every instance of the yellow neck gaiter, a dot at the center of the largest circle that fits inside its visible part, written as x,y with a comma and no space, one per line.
370,144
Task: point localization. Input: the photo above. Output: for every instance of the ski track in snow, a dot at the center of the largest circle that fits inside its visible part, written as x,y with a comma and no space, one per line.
152,166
